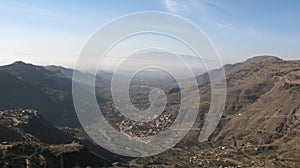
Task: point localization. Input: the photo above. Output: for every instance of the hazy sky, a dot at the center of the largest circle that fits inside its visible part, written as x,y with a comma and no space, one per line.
54,32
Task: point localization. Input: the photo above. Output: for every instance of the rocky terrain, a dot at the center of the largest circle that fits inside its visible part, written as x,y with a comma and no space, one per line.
27,140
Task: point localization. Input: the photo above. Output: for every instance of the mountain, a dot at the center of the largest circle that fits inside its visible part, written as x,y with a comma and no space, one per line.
29,86
37,75
60,71
260,125
258,128
46,89
262,109
231,68
150,57
102,78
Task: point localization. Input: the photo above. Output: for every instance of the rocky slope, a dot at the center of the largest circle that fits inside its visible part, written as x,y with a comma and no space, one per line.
260,126
46,89
29,86
263,110
27,140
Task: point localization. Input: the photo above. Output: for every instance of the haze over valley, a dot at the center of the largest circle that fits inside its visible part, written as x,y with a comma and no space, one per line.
154,84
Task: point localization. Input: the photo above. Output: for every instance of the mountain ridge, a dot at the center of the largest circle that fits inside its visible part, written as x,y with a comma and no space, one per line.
259,127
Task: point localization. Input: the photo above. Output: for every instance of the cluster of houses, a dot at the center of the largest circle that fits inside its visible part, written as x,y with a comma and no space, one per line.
142,129
16,117
228,156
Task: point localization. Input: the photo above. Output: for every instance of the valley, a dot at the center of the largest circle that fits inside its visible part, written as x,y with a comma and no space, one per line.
260,125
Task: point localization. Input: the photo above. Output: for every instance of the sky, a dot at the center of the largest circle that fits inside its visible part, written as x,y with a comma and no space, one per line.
54,32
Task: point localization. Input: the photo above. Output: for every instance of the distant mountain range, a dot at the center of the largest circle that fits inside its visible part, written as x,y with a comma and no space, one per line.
174,62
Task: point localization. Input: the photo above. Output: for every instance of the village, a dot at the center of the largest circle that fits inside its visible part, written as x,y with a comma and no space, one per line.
142,129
